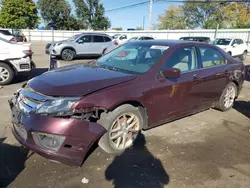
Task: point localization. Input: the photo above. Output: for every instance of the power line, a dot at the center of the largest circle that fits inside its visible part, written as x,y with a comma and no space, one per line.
128,6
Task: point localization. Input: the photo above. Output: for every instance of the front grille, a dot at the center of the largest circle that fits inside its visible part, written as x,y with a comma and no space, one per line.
29,101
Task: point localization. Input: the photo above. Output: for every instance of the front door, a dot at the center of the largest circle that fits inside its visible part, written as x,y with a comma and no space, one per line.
175,98
83,45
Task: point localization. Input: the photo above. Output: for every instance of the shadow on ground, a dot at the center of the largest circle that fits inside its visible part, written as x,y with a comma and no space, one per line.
137,167
12,162
243,107
27,76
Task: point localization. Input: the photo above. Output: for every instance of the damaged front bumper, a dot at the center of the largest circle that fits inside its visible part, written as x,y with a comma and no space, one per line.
79,135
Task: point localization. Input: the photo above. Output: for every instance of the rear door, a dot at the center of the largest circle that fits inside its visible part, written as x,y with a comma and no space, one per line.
213,75
98,44
236,49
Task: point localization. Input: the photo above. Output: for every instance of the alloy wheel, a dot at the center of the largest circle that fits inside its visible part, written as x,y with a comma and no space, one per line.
67,54
229,97
4,74
124,131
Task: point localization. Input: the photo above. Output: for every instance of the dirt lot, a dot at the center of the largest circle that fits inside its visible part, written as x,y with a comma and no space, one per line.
209,149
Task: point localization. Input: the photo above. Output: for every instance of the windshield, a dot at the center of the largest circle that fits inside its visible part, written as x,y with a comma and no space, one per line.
222,41
5,32
74,37
116,36
132,58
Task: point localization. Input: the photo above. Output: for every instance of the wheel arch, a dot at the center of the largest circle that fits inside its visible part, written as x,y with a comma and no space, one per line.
67,47
138,105
10,65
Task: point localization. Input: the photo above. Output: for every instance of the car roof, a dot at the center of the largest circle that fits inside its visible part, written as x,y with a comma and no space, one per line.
164,42
196,37
101,34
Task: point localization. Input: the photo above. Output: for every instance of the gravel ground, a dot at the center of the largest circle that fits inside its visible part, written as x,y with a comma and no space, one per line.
209,149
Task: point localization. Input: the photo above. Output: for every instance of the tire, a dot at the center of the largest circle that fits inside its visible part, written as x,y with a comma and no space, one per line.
6,73
109,121
226,93
68,54
243,56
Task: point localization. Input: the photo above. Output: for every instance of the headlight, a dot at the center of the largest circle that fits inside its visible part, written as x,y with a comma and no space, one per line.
48,141
58,44
57,106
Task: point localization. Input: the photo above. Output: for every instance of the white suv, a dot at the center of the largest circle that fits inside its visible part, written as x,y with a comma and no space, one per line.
234,46
14,58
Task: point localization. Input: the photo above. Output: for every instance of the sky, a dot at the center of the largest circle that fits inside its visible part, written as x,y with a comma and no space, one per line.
131,17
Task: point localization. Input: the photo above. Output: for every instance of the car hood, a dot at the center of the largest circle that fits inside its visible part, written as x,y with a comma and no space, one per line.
77,80
223,46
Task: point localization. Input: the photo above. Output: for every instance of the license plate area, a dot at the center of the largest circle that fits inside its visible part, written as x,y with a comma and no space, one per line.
16,121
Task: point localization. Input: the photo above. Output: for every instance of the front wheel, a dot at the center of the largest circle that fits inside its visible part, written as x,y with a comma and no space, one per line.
68,54
123,125
6,74
227,98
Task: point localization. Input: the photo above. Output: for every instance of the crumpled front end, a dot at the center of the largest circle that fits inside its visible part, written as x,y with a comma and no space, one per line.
65,139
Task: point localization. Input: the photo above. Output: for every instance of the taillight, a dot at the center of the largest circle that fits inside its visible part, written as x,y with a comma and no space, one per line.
30,52
116,43
12,40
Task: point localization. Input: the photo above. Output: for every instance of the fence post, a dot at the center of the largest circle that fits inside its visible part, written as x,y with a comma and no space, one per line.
248,39
216,31
29,35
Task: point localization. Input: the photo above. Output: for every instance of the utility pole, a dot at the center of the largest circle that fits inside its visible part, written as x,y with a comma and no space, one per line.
150,15
143,22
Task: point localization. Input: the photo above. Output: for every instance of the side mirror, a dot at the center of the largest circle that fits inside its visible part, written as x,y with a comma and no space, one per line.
171,73
80,41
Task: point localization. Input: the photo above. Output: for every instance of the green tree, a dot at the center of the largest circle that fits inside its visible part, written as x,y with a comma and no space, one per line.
91,13
60,14
206,14
237,15
117,28
139,28
172,18
18,14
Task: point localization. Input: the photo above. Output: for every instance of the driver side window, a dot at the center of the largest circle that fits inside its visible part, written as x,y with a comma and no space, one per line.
85,39
183,58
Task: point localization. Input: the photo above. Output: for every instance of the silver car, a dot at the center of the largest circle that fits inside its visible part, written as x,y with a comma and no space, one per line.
86,44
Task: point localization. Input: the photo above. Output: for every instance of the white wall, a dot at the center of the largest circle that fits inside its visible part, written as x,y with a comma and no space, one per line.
46,35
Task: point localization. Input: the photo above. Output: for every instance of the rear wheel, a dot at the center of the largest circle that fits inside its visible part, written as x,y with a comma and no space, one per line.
6,74
227,98
243,56
68,54
123,126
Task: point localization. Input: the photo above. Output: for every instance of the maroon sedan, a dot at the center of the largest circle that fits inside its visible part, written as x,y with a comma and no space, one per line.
139,85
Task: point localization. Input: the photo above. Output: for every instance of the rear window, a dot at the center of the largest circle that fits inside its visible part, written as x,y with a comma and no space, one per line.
98,39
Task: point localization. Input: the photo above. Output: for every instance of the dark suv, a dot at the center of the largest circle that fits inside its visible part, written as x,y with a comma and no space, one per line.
197,39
